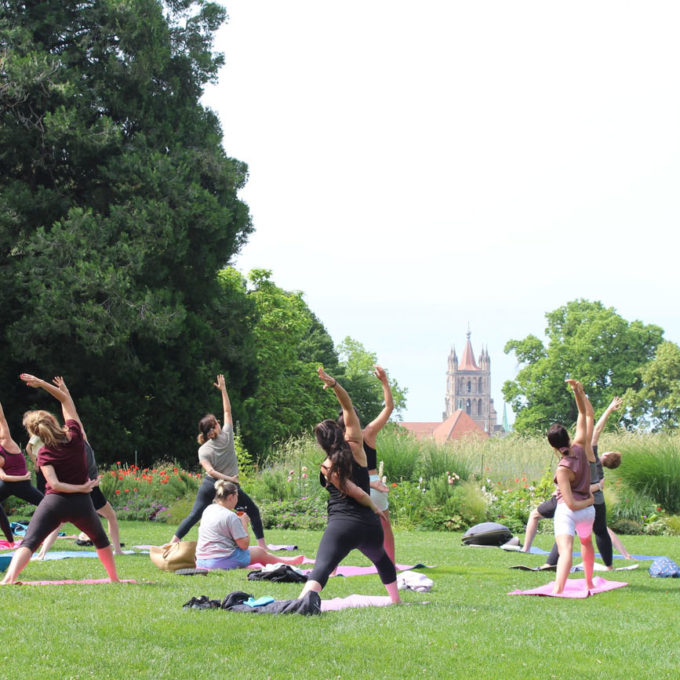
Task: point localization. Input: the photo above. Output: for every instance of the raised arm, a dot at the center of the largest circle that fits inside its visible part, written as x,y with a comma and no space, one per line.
599,426
353,434
60,383
5,435
68,408
221,385
586,419
371,430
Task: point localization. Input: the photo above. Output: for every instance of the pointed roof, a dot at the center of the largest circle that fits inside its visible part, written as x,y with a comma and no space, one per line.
467,362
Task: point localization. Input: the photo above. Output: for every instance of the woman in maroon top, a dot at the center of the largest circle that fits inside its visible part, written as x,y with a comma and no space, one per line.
575,512
15,479
67,492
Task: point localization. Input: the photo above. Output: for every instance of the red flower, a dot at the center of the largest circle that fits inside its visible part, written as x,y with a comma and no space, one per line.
394,484
117,462
127,490
117,492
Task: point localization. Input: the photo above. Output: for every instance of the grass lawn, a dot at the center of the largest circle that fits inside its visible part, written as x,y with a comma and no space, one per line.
469,628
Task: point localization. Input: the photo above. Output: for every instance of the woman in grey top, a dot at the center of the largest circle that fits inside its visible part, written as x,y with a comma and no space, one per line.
217,457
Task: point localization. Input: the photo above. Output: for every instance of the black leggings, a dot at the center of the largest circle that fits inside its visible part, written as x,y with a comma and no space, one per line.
602,538
24,490
344,534
206,495
55,509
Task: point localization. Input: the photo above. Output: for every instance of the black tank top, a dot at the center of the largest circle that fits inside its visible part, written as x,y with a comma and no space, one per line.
371,457
341,505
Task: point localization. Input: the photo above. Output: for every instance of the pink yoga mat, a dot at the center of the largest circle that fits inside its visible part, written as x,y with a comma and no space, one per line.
361,571
574,588
5,545
338,603
84,581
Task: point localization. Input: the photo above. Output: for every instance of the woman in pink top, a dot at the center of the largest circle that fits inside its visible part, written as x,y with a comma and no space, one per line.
575,512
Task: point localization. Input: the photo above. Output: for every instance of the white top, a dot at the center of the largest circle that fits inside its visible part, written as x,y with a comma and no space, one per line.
220,452
217,533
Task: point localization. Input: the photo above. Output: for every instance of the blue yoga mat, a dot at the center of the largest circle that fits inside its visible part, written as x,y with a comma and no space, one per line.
4,561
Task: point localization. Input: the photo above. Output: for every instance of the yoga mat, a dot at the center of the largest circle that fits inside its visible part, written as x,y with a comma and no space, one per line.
63,554
574,588
338,603
276,546
363,571
85,581
532,551
4,561
6,545
600,567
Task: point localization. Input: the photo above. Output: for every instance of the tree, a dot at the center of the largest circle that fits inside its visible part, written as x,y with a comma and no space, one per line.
365,390
656,405
586,341
118,206
289,344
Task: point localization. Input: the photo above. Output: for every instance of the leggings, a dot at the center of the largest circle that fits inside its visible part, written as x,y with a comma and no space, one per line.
24,490
342,535
206,495
5,526
602,538
55,509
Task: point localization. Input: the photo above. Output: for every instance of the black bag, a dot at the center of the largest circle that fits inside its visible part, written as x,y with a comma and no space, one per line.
282,574
487,533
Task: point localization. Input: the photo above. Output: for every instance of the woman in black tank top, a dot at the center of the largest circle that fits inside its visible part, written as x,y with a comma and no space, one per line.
352,515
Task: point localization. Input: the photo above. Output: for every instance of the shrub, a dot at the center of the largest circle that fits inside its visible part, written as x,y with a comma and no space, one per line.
308,512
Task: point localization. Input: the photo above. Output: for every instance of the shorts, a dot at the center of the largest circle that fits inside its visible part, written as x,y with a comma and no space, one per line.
547,508
238,559
574,521
98,498
378,497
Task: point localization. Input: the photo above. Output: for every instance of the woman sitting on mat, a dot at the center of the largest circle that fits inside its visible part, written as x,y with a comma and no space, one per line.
217,457
223,538
370,433
15,479
353,518
575,512
67,498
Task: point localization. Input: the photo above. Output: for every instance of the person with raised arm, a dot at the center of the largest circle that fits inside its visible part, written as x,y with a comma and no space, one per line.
353,517
217,457
101,505
223,540
67,498
15,479
575,512
370,432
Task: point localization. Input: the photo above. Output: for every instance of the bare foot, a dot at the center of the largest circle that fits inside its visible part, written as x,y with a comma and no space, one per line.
298,559
118,552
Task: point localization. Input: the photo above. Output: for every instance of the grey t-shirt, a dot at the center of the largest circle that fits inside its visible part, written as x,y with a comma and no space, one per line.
220,452
217,533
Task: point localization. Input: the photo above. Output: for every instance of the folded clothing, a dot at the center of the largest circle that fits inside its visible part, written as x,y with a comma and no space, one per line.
237,601
412,580
279,573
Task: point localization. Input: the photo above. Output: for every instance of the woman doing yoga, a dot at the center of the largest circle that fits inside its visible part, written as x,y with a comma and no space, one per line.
575,512
217,457
370,433
352,515
223,540
15,479
67,498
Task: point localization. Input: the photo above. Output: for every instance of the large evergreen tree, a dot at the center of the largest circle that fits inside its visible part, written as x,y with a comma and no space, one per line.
118,206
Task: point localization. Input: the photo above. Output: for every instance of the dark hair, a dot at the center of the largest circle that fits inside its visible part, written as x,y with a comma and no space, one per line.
612,460
331,438
559,438
205,424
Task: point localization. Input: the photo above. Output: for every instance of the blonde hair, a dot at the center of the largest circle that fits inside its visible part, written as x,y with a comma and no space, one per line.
224,489
44,425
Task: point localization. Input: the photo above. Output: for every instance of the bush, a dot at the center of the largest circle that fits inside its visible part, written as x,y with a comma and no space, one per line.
308,512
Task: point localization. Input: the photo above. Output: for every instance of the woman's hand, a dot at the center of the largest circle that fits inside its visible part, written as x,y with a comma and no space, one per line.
220,384
327,379
60,383
379,486
574,384
30,380
379,373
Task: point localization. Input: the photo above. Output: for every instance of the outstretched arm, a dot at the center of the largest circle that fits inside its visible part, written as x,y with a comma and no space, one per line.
60,383
221,385
5,435
371,430
599,426
68,408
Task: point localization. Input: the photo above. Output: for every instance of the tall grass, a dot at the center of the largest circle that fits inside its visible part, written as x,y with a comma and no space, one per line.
651,467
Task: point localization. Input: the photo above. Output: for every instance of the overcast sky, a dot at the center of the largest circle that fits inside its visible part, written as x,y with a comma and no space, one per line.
416,167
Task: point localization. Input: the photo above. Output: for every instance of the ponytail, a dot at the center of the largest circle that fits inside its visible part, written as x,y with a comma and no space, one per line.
205,424
331,438
44,425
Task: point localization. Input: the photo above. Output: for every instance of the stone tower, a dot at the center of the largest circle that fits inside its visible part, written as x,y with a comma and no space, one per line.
468,388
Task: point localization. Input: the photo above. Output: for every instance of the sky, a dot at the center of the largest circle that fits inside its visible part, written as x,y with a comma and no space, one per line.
418,169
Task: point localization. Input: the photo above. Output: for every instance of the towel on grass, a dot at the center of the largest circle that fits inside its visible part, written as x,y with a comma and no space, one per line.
276,546
338,603
600,567
574,588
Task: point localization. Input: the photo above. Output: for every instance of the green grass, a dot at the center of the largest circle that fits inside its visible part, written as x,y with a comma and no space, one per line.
469,628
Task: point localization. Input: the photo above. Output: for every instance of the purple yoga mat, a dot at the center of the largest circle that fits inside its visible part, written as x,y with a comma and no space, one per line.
574,588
